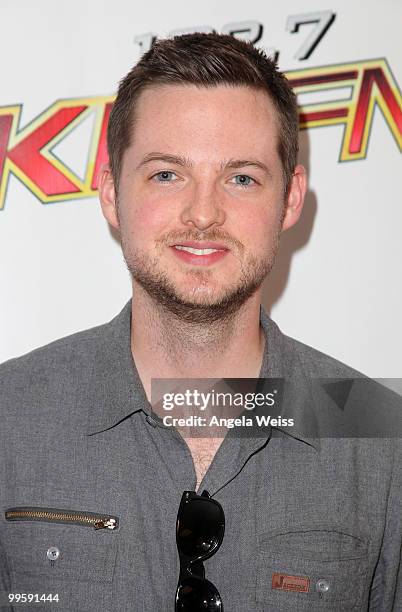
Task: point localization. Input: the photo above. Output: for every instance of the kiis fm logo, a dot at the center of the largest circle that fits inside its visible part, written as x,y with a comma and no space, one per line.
27,152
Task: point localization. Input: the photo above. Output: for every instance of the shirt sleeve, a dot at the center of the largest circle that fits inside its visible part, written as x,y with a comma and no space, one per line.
386,588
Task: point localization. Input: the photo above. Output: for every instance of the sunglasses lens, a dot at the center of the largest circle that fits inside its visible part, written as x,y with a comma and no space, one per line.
195,595
200,528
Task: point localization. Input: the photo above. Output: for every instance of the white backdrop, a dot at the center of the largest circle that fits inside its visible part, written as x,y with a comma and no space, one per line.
337,282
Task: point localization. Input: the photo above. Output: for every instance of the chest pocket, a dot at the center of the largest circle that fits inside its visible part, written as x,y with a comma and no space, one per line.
53,551
314,569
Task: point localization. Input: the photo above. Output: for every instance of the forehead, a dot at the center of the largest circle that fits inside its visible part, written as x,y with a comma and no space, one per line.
218,118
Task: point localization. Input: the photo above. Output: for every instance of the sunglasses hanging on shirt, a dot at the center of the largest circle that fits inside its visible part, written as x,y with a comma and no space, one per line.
200,529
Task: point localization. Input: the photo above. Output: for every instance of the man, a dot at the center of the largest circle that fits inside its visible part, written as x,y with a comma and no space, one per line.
203,178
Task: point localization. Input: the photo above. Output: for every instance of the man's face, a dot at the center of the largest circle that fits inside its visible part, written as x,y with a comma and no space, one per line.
200,203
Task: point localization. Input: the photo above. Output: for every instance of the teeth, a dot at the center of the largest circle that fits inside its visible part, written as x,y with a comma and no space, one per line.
197,251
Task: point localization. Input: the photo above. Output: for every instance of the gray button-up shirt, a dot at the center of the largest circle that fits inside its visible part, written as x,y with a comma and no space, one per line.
90,488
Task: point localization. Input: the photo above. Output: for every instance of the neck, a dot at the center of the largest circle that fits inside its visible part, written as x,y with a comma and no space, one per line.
164,346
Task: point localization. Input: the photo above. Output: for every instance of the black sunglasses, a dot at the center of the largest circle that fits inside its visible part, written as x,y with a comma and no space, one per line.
199,533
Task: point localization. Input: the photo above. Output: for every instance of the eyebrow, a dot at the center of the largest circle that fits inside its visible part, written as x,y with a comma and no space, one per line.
241,163
166,157
179,160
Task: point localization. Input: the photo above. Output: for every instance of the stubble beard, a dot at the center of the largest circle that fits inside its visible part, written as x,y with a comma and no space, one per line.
198,308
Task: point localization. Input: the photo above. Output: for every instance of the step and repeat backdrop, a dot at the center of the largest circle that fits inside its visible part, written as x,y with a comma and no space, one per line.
337,281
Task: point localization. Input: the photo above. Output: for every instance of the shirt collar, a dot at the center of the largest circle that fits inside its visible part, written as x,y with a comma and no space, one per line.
114,390
281,361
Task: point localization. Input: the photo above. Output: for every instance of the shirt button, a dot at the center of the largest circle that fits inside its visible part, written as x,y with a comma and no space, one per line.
53,553
322,585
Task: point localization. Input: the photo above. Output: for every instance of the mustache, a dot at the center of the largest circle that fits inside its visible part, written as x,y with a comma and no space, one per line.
210,236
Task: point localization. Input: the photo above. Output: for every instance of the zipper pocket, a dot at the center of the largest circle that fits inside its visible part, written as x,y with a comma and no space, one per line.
59,515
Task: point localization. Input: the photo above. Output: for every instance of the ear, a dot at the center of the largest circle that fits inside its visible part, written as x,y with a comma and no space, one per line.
295,198
107,196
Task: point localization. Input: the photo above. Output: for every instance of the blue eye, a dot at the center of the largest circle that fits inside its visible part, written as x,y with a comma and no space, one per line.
164,177
243,179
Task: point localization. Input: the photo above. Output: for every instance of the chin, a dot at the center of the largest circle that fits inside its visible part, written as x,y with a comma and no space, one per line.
202,298
201,293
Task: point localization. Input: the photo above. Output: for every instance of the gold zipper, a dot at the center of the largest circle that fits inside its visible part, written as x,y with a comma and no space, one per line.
89,519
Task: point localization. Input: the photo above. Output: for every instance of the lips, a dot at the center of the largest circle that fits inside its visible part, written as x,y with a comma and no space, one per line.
199,253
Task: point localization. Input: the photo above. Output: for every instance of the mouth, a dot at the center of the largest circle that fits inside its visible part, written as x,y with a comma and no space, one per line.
200,253
196,251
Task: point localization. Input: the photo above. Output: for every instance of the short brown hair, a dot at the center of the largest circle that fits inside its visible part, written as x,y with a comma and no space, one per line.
205,60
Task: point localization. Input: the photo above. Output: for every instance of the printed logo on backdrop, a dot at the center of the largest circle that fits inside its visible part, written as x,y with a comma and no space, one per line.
337,94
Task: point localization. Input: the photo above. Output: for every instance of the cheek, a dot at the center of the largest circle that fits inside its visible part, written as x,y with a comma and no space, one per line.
259,232
145,219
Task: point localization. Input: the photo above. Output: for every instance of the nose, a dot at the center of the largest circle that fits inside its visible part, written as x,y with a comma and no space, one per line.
204,208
